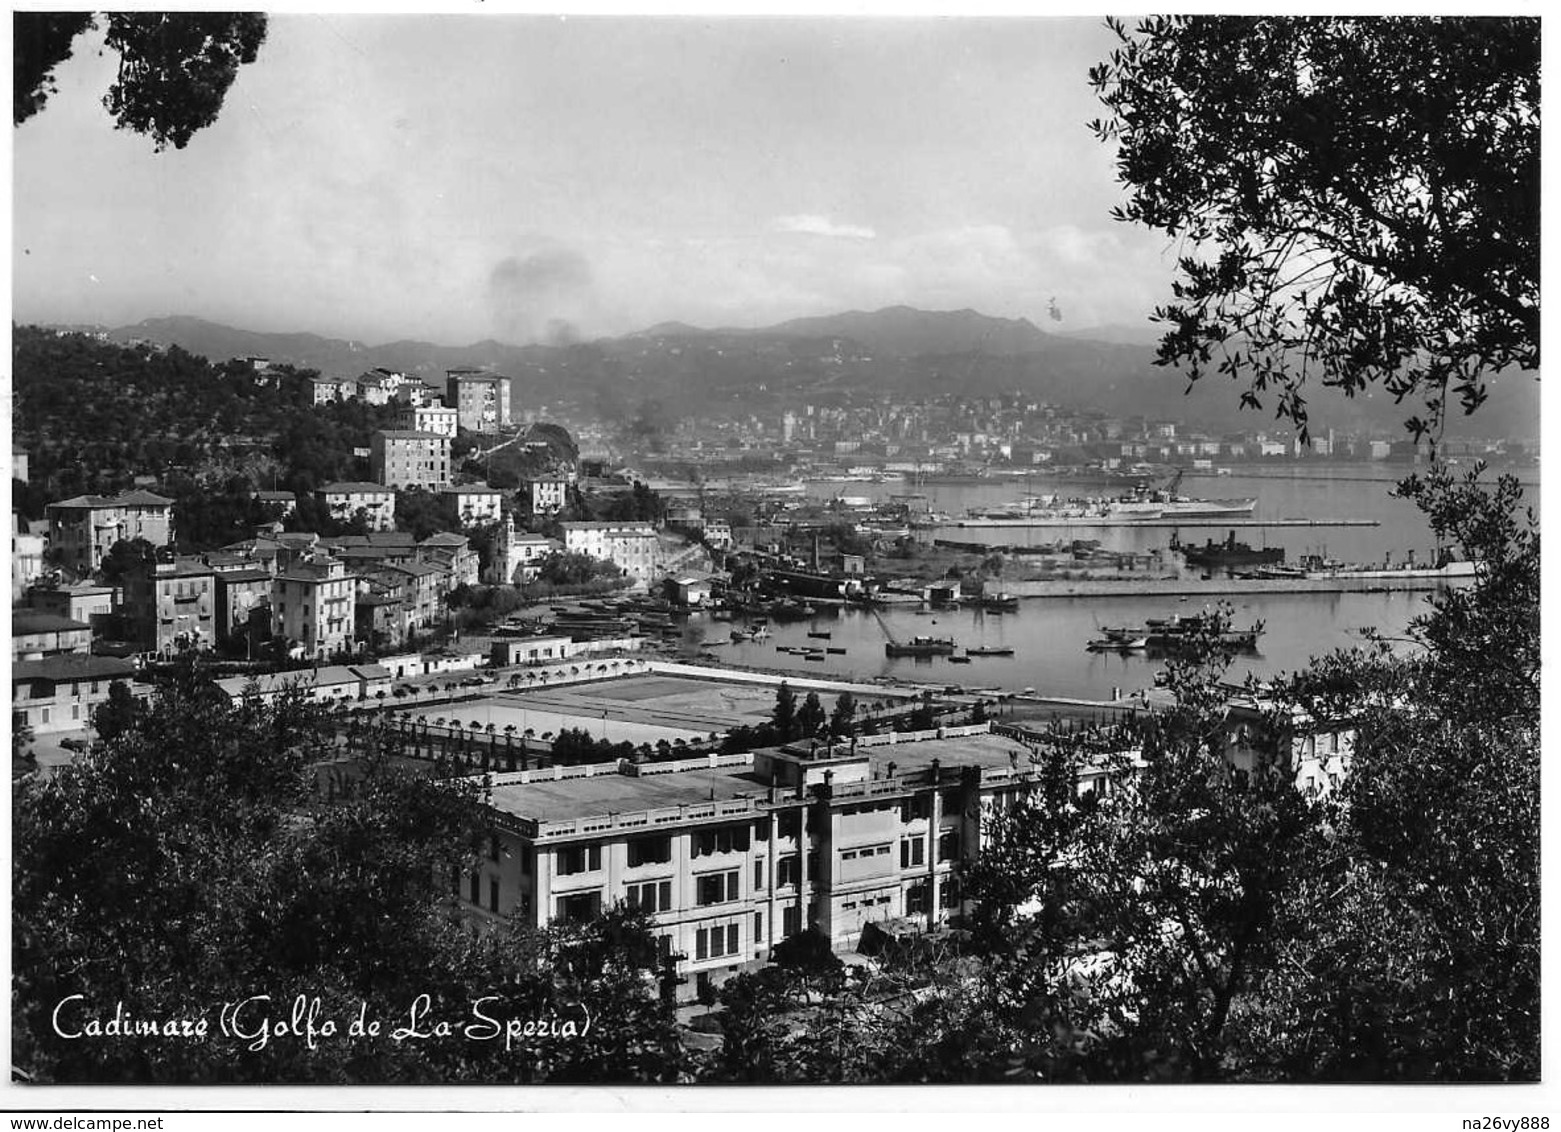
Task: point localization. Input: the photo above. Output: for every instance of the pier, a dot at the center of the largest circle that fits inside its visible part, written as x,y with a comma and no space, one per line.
1189,521
1215,587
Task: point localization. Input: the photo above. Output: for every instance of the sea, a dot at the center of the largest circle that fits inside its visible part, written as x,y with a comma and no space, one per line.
1049,635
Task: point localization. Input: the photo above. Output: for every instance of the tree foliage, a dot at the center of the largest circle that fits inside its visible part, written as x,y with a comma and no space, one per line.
92,416
188,862
175,68
784,715
1424,961
1360,197
810,716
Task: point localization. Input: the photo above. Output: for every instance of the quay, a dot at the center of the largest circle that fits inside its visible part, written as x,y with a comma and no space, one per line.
1189,521
1193,587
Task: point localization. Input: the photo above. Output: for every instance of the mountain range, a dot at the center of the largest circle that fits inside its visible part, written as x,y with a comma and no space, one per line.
897,351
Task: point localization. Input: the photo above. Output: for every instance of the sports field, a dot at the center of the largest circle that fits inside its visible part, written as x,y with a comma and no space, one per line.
634,709
719,704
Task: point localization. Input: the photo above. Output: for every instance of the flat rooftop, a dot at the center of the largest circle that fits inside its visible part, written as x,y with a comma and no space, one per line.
572,798
614,793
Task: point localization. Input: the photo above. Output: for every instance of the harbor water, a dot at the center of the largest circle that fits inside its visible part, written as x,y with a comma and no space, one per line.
1049,635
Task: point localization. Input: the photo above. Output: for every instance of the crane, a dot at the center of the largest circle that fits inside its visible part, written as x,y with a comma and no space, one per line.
884,625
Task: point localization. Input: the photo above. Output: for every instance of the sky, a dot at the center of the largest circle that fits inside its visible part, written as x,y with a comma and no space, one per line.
454,178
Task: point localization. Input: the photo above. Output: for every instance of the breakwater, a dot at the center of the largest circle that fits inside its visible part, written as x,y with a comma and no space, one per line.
1216,587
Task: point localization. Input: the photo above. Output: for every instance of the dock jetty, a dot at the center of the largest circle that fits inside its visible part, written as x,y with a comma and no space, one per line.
1216,587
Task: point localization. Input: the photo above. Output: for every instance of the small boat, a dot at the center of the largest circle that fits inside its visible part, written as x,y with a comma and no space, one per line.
999,603
1177,632
1118,644
920,646
814,656
824,636
959,660
990,650
836,652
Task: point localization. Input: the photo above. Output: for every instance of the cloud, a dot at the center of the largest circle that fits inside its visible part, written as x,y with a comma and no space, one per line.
540,295
540,273
812,225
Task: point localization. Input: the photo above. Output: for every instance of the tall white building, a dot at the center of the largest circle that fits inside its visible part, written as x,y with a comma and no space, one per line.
428,418
631,544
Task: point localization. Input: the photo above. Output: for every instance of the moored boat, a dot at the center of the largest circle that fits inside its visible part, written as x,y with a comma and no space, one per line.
920,646
1118,644
1228,553
1179,632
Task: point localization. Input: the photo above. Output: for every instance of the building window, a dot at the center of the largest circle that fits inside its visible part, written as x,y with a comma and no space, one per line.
476,886
917,899
948,893
917,808
791,920
649,851
493,894
653,896
786,870
791,824
715,888
579,907
714,942
912,852
727,839
579,859
948,845
758,928
493,847
758,873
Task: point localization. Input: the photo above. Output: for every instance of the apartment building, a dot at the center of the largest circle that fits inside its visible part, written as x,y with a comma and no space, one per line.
312,606
27,551
475,502
481,399
429,418
453,556
632,545
285,502
243,605
36,634
375,500
171,606
407,458
546,496
82,530
80,602
323,390
378,387
732,854
60,693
